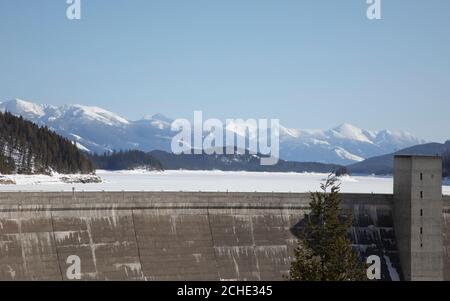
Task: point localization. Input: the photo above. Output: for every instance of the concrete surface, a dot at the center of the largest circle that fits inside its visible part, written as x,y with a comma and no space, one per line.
170,236
418,216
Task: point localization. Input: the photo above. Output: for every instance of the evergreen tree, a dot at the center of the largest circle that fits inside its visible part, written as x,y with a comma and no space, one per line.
324,251
27,148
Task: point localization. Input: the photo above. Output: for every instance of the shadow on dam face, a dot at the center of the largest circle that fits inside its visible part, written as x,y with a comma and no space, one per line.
172,236
372,231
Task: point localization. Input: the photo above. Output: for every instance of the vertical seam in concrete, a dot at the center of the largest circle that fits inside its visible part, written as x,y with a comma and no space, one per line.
137,245
92,246
258,273
56,247
22,248
212,241
285,241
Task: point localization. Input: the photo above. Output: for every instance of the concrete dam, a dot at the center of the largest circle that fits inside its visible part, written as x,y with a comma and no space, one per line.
167,236
200,236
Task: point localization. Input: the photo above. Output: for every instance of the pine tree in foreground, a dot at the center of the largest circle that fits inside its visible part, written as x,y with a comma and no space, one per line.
324,251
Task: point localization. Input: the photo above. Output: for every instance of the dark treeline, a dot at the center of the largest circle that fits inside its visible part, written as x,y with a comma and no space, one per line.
446,163
26,148
236,162
161,160
125,160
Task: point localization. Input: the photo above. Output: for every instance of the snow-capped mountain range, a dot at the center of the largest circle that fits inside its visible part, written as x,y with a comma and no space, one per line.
97,130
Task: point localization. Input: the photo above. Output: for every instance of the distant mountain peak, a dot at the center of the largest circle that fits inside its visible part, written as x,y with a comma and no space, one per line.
157,116
347,127
96,114
158,120
27,108
161,117
100,130
351,132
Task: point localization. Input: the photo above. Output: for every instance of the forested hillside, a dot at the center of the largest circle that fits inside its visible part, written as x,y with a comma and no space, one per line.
124,160
384,165
26,148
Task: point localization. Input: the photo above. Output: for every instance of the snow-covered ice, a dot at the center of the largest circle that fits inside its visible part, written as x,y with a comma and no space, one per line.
142,180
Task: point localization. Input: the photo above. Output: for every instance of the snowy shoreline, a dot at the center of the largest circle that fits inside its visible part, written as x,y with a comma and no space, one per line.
53,179
207,181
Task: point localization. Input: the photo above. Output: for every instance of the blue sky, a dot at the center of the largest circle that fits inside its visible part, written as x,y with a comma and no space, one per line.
310,63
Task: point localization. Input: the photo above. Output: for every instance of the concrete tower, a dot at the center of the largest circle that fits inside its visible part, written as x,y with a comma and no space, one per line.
418,216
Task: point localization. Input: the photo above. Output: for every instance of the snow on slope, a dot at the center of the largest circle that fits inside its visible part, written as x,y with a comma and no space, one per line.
347,156
24,108
94,114
350,132
99,130
82,147
37,112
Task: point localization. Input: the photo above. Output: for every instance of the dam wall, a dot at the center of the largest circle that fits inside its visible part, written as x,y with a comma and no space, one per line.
175,236
446,237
